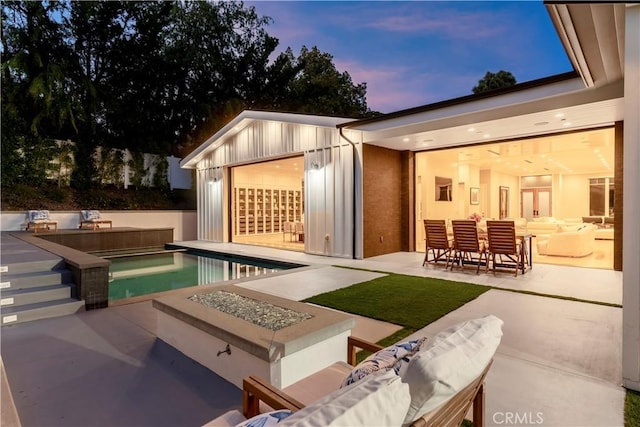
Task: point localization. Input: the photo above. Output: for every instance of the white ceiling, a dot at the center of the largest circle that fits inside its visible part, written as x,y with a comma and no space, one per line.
289,165
588,152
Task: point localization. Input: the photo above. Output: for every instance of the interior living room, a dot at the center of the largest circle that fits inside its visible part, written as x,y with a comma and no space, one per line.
559,187
267,204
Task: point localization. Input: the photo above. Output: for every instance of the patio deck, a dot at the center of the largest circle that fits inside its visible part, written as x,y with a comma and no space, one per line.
559,359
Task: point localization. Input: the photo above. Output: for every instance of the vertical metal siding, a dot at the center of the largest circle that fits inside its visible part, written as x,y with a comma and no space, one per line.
329,207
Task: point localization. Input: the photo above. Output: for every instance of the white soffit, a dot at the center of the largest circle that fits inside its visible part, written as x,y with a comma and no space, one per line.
243,119
586,108
593,37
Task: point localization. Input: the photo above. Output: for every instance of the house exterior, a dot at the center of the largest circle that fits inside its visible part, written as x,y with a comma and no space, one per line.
366,184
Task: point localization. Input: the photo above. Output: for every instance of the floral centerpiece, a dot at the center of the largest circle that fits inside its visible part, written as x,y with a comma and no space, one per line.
475,216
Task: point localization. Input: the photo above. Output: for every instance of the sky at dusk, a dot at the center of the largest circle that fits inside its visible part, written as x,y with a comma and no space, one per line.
419,52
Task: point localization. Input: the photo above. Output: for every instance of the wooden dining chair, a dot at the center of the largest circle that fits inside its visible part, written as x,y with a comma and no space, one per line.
437,241
502,242
466,244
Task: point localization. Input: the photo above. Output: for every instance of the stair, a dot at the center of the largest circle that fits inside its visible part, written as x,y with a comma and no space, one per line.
33,284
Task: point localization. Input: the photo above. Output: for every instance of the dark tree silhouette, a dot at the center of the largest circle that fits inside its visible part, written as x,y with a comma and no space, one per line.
492,81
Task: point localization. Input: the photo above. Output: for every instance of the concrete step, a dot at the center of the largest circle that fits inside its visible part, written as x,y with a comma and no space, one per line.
34,279
18,267
41,310
18,297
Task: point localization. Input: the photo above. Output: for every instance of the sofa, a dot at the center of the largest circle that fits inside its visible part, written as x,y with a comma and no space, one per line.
568,241
604,224
413,383
548,224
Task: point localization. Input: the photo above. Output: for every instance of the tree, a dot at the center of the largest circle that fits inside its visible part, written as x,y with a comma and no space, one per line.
311,84
155,77
35,108
492,81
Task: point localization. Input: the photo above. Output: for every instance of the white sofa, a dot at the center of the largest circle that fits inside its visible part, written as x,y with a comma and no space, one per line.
431,382
568,241
548,224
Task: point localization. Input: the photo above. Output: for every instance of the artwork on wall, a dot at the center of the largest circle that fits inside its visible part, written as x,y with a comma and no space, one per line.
443,189
474,196
504,202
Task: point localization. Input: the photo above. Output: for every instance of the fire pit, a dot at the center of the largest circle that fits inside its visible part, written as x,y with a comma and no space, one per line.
237,332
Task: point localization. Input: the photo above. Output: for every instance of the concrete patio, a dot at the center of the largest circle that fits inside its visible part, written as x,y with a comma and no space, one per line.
559,363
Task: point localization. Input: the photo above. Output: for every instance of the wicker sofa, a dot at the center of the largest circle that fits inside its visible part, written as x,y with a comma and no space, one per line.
435,383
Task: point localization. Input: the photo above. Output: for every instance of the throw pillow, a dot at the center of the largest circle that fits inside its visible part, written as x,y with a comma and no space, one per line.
38,215
268,419
450,362
381,399
90,215
383,360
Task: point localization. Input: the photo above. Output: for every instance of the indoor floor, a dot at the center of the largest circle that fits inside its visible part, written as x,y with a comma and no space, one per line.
272,240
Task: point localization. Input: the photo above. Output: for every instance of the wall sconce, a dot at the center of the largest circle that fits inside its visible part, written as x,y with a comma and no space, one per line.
315,165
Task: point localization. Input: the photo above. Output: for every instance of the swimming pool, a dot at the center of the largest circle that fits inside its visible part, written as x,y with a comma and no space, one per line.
136,275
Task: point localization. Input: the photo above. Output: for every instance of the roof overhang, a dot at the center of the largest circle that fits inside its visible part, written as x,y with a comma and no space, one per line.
593,37
552,108
242,120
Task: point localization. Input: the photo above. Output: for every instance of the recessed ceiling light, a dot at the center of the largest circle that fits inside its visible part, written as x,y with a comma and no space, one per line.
566,124
471,130
486,135
405,139
559,115
424,144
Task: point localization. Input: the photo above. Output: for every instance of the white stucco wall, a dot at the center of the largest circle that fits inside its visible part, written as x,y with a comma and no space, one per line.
182,222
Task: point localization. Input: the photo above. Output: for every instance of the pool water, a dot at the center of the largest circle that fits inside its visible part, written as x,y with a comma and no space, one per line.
132,276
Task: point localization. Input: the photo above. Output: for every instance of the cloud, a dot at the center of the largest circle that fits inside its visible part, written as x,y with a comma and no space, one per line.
442,19
389,88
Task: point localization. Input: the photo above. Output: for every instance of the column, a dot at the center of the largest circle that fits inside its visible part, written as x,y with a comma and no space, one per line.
631,199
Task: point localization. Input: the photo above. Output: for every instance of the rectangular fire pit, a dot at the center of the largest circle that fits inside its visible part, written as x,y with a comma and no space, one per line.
279,339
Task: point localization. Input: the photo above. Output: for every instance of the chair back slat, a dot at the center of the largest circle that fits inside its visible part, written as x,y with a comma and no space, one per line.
436,234
465,235
502,237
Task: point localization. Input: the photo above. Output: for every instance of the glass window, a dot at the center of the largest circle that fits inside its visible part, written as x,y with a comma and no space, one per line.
601,196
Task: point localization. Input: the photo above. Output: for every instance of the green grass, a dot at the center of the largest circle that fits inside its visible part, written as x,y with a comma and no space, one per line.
410,301
632,409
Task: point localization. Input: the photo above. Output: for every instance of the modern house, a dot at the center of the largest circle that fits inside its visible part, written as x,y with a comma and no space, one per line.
564,146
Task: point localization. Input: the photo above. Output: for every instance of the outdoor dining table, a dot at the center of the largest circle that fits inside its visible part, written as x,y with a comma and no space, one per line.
524,237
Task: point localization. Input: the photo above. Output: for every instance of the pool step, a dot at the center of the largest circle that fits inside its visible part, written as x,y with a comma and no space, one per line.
33,284
40,310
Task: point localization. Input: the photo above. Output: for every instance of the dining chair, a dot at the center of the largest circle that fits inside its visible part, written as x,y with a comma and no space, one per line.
466,244
502,242
437,242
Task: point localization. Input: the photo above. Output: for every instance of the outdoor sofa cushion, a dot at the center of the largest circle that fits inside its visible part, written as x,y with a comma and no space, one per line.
380,399
449,362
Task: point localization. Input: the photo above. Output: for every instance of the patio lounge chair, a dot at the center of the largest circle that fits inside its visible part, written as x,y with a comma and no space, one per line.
92,219
437,241
437,385
40,220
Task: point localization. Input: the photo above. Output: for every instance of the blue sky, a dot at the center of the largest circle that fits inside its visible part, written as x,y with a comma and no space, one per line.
419,52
